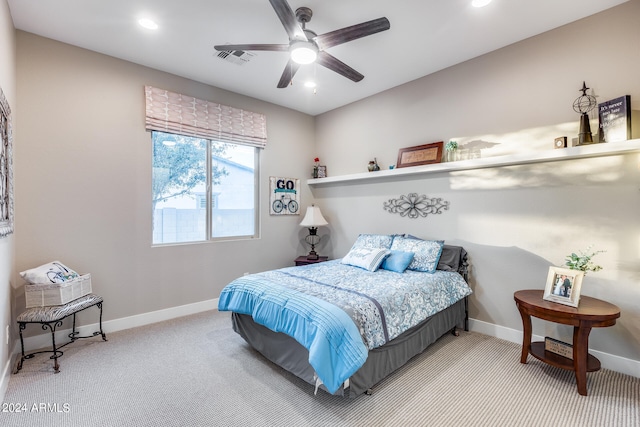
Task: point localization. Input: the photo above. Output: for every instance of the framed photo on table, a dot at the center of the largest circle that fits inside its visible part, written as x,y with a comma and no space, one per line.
420,155
563,286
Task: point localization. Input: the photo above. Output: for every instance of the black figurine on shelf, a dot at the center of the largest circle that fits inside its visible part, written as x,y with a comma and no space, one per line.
583,104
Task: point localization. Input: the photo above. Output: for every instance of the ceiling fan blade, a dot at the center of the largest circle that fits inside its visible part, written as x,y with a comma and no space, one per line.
353,32
289,71
270,47
288,19
338,66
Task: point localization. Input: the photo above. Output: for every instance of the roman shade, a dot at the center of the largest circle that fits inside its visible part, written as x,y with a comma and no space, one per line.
185,115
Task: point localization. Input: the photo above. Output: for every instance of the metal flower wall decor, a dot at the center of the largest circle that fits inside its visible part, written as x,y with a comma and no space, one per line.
415,206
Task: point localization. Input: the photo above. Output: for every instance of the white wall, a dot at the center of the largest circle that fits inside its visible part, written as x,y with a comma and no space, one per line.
83,175
8,85
515,221
83,181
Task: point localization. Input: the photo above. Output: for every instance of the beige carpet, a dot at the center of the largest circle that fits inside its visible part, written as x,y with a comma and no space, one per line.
195,371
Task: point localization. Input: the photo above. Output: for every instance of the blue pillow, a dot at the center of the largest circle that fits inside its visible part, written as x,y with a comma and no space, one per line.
397,261
376,241
426,252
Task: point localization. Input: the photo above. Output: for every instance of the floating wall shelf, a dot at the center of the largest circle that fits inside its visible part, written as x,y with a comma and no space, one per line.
554,155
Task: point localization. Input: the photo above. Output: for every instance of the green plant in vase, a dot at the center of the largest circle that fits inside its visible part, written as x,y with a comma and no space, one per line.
451,148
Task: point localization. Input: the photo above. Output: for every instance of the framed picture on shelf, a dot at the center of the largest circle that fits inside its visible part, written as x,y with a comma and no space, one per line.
420,155
322,171
563,286
614,118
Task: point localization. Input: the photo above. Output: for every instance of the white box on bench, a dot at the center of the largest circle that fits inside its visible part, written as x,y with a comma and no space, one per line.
57,293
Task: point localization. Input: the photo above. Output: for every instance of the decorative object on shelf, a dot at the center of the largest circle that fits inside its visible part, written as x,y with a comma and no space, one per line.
583,261
415,206
6,168
560,142
373,165
322,172
313,219
451,149
284,196
420,155
316,165
563,286
391,167
583,104
614,118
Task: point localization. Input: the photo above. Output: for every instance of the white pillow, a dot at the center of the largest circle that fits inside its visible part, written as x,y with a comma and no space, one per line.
367,258
53,272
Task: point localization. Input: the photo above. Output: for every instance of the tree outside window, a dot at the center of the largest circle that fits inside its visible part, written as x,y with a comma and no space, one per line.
183,169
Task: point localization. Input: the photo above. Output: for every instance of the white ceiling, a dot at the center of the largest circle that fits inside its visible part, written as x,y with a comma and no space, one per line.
425,36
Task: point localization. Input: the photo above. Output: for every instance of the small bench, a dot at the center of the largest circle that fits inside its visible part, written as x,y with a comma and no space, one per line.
51,317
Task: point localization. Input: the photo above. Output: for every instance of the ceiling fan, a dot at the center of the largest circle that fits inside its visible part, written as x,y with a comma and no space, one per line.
305,46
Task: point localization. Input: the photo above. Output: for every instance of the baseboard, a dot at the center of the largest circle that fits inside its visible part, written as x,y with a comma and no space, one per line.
608,361
44,340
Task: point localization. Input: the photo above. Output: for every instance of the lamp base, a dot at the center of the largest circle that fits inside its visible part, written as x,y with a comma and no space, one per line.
313,256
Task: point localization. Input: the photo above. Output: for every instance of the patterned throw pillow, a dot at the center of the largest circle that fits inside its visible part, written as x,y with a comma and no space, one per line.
376,241
397,261
53,272
426,252
367,258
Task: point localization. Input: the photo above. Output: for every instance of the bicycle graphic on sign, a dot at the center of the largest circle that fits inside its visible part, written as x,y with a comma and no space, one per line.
284,196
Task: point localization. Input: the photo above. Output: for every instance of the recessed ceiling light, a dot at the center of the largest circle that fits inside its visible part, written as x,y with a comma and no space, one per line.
480,3
148,24
310,84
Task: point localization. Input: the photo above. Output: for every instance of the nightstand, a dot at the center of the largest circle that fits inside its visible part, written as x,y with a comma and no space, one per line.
302,260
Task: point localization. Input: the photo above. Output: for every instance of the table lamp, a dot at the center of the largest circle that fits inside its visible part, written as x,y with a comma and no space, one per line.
313,219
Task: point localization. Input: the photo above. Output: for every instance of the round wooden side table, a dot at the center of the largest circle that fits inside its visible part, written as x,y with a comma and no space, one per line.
590,313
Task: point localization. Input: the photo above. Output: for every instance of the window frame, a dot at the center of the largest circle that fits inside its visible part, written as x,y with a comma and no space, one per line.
209,238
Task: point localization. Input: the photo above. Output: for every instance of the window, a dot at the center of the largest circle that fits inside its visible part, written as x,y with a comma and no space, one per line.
203,189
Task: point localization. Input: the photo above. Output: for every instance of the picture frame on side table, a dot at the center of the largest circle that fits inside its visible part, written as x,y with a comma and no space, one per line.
420,155
563,286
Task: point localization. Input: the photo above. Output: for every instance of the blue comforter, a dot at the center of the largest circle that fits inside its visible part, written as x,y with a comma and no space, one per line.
339,312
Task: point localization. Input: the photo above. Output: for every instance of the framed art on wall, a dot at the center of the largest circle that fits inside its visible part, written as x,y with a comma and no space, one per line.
6,168
284,196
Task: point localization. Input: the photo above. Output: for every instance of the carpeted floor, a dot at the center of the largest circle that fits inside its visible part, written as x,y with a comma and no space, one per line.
195,371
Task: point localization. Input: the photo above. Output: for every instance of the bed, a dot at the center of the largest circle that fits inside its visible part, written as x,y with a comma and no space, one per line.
344,325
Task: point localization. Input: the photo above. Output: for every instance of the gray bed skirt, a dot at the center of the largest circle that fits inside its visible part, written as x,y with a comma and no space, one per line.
287,353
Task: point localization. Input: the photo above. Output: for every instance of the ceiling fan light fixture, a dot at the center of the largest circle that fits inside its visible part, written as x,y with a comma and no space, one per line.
303,52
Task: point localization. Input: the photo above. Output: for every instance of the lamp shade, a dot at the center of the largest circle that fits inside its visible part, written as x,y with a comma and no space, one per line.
313,218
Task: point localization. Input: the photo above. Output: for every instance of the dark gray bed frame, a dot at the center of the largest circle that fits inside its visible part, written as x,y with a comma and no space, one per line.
287,353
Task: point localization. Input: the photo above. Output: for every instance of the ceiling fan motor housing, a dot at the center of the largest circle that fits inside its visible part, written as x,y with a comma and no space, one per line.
303,15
